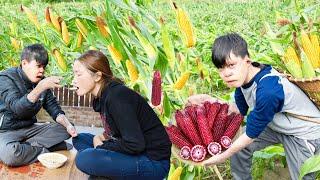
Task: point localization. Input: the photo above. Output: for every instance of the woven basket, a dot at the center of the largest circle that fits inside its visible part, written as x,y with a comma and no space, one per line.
310,86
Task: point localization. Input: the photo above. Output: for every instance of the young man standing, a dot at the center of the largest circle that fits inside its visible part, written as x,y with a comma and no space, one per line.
23,92
268,99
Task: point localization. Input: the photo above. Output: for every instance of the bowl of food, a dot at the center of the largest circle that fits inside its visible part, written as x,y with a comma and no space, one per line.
52,160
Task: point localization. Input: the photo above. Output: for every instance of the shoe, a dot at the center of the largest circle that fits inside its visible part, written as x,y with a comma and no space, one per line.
61,146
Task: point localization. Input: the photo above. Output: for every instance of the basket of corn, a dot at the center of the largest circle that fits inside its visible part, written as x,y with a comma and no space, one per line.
302,61
203,131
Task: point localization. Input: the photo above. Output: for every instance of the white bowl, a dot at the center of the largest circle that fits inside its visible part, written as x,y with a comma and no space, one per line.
52,160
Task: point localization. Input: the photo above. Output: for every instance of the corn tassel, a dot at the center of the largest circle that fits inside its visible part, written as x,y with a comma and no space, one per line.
147,46
47,15
176,174
102,27
185,27
167,44
60,60
79,39
315,43
65,32
306,66
55,22
292,63
309,49
32,17
81,28
132,71
115,54
15,43
181,82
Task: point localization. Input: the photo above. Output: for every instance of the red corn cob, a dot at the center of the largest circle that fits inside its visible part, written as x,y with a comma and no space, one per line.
229,120
176,137
198,153
156,89
191,111
218,128
188,128
233,126
185,152
214,148
203,127
212,111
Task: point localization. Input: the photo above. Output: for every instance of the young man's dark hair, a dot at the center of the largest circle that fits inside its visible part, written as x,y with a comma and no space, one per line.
224,45
35,52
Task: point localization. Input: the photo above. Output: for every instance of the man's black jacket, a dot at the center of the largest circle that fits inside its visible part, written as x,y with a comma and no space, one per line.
16,111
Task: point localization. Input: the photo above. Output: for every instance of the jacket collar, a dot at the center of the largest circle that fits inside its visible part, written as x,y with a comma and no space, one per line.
97,102
25,79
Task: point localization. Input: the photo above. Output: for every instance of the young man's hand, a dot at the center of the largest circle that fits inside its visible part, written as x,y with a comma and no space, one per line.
199,99
72,131
49,83
62,119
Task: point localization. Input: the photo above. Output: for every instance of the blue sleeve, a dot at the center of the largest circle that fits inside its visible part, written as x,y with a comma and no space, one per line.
269,101
241,102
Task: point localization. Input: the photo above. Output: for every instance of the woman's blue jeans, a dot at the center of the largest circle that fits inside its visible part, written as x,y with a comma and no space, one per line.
114,165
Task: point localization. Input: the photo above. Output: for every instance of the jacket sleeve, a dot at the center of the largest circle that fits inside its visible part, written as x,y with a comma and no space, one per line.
15,102
122,108
269,101
51,105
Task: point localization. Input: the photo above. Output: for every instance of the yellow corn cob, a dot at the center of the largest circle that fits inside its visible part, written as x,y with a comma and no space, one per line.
181,82
292,63
81,28
185,27
79,39
65,33
132,71
102,27
15,43
47,15
55,22
306,66
315,43
176,174
291,54
115,54
32,17
60,60
309,49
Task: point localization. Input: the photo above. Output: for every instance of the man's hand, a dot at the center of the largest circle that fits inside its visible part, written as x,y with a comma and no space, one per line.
72,131
62,119
242,142
44,84
200,99
49,83
98,140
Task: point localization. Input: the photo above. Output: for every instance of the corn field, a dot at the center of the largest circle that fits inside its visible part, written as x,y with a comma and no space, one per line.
162,49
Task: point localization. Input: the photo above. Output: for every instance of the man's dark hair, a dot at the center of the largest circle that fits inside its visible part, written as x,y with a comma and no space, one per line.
35,52
224,45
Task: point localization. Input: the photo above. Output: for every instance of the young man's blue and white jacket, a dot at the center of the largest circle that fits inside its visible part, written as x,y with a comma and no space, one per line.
270,96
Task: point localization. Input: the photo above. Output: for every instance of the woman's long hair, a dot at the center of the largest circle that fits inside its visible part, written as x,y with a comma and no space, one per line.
96,61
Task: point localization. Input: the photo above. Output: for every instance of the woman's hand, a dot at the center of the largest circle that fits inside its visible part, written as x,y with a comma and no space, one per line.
98,140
